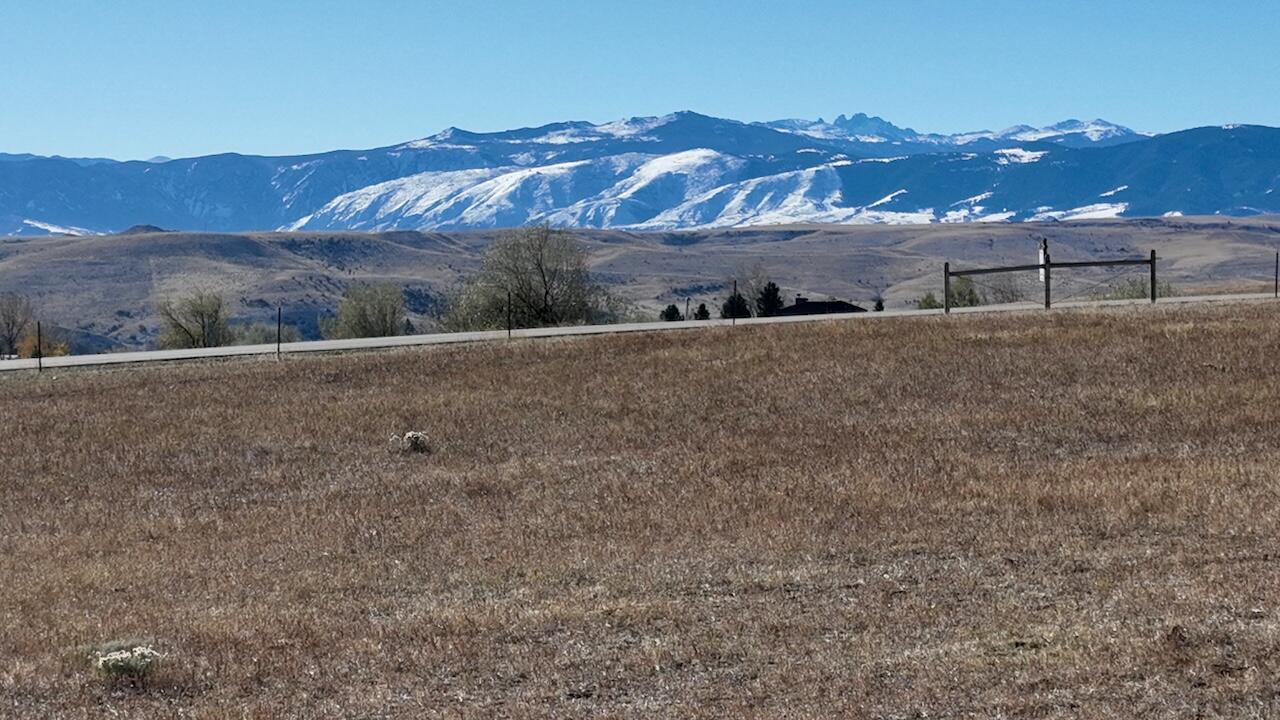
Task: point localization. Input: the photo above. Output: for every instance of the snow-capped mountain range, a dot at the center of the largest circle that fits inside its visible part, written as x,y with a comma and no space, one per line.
677,171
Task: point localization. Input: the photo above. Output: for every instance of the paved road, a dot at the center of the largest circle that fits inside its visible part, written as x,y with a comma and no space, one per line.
447,338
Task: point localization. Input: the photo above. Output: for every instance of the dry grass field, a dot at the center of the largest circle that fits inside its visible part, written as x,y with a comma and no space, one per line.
1073,514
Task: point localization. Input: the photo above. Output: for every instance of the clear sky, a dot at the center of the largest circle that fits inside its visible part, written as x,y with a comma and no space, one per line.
137,78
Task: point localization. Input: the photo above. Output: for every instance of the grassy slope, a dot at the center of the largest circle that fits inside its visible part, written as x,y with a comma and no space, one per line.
110,286
1067,515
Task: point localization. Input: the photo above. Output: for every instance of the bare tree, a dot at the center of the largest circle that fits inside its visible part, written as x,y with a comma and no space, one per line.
16,316
196,321
544,274
368,310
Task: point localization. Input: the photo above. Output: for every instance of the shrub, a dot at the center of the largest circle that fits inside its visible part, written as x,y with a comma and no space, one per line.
366,311
131,660
263,334
928,302
411,442
965,294
1135,288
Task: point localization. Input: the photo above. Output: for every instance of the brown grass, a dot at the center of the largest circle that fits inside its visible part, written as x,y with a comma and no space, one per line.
1046,515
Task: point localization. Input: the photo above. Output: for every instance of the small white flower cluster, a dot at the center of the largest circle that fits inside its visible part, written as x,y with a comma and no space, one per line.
134,661
411,441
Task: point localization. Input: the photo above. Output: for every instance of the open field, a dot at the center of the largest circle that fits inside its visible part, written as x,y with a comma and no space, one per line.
107,288
1070,514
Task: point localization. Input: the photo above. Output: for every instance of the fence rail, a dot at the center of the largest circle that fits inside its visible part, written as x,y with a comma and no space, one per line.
1046,268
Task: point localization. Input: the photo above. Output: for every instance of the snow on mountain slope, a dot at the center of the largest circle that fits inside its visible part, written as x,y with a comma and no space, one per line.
809,195
490,197
654,187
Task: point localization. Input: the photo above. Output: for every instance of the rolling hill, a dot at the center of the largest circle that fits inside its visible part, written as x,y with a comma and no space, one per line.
107,288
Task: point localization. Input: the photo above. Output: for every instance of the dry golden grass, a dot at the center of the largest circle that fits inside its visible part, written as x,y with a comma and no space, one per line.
1045,515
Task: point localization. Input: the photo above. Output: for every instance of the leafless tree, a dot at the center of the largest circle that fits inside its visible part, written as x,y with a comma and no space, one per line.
544,273
16,317
196,321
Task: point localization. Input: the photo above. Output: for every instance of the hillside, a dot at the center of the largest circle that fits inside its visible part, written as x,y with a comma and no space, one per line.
107,288
1020,516
678,171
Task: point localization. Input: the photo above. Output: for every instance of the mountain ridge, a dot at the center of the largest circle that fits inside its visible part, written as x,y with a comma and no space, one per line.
683,170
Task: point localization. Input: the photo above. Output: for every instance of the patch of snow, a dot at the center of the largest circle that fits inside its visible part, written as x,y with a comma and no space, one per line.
1109,193
1097,211
883,160
1019,156
972,200
886,199
1173,213
58,229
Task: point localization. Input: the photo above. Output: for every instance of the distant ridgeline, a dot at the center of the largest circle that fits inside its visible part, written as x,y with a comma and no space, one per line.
676,171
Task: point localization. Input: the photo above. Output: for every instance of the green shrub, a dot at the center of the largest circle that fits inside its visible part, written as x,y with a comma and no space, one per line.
928,302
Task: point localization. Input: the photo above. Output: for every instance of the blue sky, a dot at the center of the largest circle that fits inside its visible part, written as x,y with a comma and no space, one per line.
136,78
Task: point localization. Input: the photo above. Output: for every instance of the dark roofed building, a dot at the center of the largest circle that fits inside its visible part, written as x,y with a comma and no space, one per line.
805,306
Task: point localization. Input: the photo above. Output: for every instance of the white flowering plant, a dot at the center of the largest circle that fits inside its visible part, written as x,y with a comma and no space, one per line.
124,659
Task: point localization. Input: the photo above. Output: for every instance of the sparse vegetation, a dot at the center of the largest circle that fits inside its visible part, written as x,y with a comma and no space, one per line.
263,334
1135,288
368,310
1032,515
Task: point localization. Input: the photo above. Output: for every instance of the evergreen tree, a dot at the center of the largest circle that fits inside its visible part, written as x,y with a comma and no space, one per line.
671,313
702,313
769,301
735,307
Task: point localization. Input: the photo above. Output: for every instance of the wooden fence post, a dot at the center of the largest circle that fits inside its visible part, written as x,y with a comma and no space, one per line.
1048,281
946,288
39,348
1153,276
